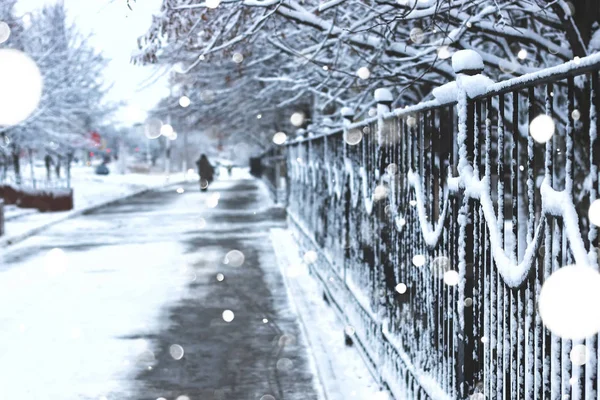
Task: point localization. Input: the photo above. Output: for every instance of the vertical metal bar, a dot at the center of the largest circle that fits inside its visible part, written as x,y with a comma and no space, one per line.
481,265
476,270
591,367
534,288
448,137
569,137
432,170
516,295
433,200
566,344
501,294
514,172
528,297
491,349
547,336
501,169
450,290
440,248
465,331
556,370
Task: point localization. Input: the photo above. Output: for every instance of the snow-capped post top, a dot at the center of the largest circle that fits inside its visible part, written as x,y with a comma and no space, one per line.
347,114
384,99
383,95
468,66
467,62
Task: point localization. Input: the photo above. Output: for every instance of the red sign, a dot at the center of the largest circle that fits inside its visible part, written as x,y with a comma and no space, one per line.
95,136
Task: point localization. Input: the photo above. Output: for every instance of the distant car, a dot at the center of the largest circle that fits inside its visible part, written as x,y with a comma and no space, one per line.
102,170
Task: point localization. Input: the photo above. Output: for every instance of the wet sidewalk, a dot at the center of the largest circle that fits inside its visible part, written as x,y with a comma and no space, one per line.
173,294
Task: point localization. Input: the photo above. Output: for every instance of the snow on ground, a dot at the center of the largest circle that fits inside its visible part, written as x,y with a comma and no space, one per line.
343,372
89,190
54,339
94,303
83,321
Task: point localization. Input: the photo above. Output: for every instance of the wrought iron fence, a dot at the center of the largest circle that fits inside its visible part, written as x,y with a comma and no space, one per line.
273,170
391,204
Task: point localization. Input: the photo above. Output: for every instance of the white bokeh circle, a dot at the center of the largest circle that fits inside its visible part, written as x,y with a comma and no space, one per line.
542,128
21,86
152,128
568,302
4,32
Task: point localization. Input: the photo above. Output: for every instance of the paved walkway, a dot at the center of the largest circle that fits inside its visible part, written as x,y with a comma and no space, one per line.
135,301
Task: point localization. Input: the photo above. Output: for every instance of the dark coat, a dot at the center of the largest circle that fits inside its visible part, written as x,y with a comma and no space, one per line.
205,169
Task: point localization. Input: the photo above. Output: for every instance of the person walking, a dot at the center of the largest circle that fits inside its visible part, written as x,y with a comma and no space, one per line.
206,172
57,166
48,162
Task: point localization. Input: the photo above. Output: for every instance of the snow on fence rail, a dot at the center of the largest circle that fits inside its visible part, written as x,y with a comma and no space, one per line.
393,203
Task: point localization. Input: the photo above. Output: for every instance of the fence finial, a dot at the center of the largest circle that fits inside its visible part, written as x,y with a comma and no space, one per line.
468,66
347,115
384,99
468,62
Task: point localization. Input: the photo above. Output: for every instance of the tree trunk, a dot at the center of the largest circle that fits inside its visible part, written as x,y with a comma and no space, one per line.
4,167
578,22
32,172
16,165
68,168
57,167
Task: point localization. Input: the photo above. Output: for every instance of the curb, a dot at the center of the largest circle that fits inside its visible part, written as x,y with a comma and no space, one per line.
7,241
340,369
322,377
6,219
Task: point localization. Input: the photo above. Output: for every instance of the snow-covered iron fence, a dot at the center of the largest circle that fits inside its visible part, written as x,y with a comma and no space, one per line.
434,227
273,172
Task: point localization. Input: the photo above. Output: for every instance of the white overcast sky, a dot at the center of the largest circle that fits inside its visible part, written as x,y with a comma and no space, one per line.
115,30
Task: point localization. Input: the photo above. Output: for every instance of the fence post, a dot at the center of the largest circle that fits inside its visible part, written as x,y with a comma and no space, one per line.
282,164
277,182
384,100
347,115
467,63
348,118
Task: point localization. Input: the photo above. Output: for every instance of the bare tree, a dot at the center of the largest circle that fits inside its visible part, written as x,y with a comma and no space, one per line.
271,57
72,99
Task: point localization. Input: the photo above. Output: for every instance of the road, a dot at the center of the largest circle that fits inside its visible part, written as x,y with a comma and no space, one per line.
145,299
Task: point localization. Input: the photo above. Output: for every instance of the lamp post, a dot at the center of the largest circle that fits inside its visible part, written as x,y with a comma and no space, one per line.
169,134
168,157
